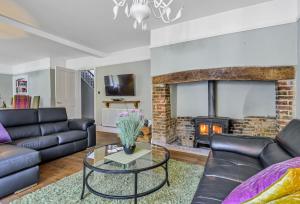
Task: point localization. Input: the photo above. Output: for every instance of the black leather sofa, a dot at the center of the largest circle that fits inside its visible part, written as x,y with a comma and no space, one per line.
234,159
38,135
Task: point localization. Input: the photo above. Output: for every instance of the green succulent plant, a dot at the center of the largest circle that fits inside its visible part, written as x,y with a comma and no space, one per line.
129,124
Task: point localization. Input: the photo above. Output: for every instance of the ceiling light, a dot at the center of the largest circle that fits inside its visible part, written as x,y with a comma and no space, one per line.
140,11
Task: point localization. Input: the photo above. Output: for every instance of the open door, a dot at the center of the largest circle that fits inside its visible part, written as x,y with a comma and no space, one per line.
67,91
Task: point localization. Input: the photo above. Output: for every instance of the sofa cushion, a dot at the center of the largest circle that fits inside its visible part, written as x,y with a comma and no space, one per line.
18,117
50,128
14,159
272,154
70,136
37,143
212,190
231,166
49,115
289,138
20,132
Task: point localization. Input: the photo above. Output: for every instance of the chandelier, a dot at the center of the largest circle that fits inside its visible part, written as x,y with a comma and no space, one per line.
140,11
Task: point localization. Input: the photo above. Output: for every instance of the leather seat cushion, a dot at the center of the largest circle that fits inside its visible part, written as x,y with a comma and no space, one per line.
50,128
212,190
14,159
20,132
231,166
37,143
70,136
273,154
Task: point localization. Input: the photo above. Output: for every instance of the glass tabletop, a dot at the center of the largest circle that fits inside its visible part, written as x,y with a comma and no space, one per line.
111,158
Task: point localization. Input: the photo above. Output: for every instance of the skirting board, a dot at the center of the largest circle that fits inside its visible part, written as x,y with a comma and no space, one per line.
107,129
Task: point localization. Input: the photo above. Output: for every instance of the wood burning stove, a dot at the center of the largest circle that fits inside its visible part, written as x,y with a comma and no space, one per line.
206,126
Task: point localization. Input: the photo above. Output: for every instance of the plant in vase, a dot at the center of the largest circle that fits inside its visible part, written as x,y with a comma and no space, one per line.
129,124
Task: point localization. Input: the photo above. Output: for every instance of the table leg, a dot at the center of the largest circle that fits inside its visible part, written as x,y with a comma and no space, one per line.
167,174
83,186
135,187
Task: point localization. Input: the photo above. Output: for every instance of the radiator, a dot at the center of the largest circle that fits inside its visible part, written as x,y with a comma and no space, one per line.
110,116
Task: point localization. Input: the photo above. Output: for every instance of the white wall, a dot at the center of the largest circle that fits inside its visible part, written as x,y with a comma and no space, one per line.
141,70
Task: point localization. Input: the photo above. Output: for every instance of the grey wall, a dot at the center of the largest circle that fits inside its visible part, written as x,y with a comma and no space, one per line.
6,88
141,70
235,99
87,100
262,47
39,85
52,86
268,46
298,76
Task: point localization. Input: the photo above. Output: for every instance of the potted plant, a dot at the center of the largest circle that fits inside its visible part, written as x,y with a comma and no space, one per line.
129,124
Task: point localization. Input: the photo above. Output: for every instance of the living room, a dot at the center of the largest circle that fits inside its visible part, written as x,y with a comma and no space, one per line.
143,101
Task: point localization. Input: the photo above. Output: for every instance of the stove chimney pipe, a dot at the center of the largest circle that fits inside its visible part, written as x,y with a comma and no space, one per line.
212,98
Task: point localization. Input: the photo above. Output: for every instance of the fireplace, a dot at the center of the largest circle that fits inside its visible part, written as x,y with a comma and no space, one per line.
167,129
205,127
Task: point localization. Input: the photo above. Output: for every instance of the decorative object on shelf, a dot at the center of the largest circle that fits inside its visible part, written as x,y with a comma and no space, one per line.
140,11
130,123
135,103
118,99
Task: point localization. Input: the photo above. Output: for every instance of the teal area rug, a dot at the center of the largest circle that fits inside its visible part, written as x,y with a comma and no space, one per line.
183,177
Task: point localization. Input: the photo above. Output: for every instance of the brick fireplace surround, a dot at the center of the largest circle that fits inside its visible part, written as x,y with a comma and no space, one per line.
167,129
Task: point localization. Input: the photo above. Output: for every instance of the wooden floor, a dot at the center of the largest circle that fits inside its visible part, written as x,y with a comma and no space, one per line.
55,170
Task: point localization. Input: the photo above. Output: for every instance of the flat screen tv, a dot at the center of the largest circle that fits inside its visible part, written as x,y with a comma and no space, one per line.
119,85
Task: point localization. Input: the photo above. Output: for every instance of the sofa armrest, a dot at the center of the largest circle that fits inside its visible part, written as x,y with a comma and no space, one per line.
247,145
80,124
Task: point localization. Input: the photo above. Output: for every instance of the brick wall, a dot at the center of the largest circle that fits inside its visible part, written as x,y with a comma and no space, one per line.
285,102
185,131
163,124
255,126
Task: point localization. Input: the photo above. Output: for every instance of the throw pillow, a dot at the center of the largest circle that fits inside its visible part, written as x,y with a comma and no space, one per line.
264,180
4,136
293,198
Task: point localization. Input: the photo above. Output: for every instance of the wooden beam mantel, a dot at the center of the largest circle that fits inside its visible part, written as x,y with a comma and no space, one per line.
228,74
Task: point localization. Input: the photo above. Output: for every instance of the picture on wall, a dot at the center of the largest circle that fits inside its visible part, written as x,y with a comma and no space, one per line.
21,86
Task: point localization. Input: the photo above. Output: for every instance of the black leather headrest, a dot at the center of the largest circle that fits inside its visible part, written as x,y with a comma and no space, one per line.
289,138
48,115
18,117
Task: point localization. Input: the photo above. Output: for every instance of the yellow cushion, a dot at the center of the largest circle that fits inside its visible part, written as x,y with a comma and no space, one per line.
287,185
290,199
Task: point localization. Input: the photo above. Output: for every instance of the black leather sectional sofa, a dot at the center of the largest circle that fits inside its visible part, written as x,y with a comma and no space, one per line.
234,159
38,136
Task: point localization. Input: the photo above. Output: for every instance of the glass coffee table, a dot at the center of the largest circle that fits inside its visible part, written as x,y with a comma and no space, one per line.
107,169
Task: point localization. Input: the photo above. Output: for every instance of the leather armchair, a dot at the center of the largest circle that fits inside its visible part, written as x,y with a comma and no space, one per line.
80,124
85,125
246,145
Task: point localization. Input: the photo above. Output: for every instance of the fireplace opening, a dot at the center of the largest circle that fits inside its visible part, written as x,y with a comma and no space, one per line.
205,127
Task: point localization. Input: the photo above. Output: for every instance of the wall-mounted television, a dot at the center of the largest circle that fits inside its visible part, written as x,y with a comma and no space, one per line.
119,85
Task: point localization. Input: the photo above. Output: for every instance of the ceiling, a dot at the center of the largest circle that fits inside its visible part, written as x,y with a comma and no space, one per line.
87,22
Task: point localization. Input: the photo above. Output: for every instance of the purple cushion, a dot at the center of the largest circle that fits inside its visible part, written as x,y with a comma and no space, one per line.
4,136
260,182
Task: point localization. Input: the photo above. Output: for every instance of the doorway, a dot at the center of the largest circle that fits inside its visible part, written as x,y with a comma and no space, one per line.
87,93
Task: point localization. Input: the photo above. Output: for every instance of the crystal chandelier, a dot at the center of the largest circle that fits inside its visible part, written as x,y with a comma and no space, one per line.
140,11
